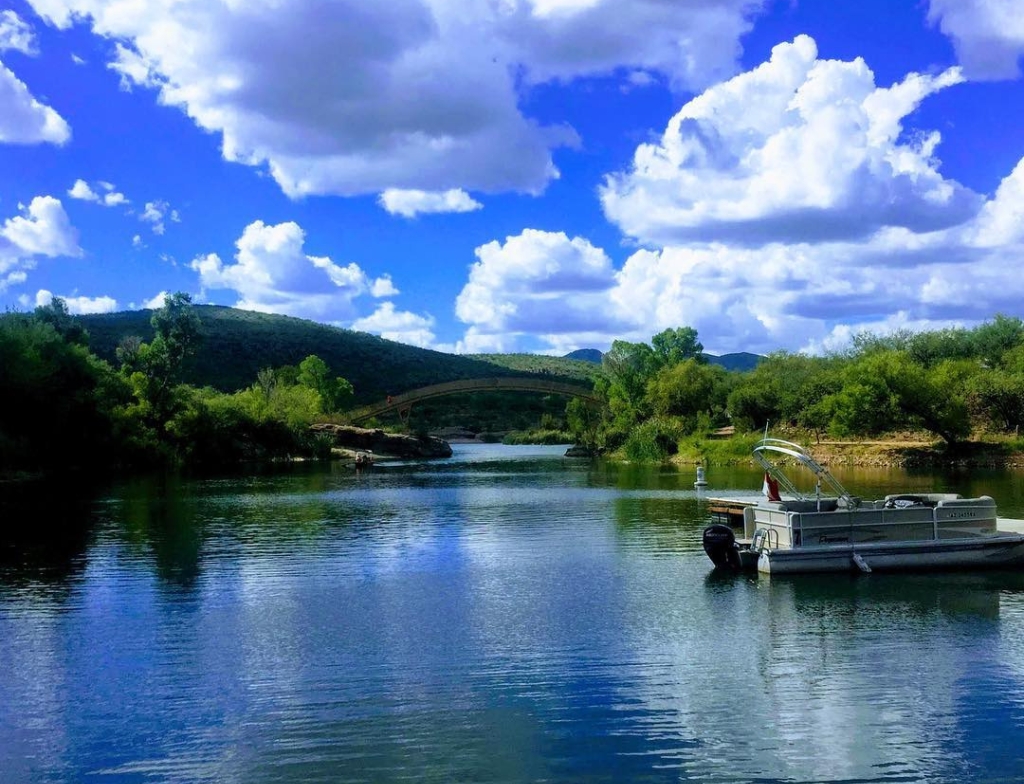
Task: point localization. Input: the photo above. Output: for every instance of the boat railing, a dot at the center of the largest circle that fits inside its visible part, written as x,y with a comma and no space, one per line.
797,452
797,523
765,539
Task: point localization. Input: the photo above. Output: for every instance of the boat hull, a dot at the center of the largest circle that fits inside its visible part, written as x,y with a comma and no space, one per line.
995,552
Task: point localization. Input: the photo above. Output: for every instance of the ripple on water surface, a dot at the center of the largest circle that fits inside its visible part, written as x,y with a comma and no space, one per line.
508,617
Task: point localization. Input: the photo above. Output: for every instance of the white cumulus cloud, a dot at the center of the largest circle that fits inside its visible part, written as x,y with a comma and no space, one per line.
383,287
273,273
156,213
811,295
536,281
79,305
399,325
1001,221
410,203
798,149
23,119
155,302
42,230
16,34
353,97
988,35
15,278
107,194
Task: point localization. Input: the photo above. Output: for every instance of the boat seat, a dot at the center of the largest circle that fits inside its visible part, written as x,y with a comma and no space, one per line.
982,500
921,499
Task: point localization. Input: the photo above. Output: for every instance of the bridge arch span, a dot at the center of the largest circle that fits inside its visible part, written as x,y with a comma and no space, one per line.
507,383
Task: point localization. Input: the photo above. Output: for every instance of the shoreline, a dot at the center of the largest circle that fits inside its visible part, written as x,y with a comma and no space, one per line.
902,453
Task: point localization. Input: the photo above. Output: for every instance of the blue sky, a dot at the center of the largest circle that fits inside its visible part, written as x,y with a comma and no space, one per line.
521,175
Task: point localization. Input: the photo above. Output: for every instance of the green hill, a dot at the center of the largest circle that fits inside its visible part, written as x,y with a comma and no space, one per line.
586,354
741,361
564,368
237,344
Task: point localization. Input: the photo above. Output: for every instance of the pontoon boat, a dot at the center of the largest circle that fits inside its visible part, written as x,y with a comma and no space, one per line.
839,532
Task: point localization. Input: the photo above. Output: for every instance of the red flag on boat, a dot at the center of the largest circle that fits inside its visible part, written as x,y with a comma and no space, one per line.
770,488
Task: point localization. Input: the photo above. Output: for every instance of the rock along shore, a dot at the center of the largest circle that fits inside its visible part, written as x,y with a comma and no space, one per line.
384,444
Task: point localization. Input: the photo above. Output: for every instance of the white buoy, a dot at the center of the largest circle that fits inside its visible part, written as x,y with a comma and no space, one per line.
701,482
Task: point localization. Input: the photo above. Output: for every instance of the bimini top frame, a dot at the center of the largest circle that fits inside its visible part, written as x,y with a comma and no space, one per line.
788,448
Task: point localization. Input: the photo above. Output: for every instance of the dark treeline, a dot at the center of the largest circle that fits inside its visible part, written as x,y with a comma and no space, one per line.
956,384
63,407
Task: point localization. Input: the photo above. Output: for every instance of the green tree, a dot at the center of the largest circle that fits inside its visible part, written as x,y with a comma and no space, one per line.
673,346
57,315
997,398
57,400
862,407
780,388
266,382
177,326
335,392
154,369
685,389
629,366
931,348
754,403
287,375
995,338
864,343
819,402
583,422
887,389
1013,360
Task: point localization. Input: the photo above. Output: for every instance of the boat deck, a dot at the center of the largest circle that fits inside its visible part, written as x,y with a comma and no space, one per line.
729,510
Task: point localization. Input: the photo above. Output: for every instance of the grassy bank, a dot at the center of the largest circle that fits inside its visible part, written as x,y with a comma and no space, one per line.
901,449
538,437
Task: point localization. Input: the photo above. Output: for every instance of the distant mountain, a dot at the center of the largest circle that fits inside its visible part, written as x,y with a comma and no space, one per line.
585,355
741,361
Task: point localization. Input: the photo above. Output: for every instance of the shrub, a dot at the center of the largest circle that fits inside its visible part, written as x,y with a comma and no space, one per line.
652,441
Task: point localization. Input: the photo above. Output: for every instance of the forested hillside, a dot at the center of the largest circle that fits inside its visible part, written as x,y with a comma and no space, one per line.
237,344
563,368
212,387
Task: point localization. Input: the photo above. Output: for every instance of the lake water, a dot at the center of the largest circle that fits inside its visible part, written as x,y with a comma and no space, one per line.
504,616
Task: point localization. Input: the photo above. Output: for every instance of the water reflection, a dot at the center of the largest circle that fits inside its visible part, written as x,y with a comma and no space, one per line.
44,537
483,619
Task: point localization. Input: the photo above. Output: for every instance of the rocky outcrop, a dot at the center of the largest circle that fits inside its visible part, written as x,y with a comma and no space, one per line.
578,450
455,434
384,444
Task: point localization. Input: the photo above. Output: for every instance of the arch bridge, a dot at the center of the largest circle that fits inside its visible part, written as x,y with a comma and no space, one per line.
402,403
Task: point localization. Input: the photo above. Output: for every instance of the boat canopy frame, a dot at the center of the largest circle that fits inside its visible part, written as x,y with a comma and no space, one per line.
788,448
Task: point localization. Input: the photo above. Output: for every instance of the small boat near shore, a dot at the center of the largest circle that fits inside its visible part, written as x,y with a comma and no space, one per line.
790,532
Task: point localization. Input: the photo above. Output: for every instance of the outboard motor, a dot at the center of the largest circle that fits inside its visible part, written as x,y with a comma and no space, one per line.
720,545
